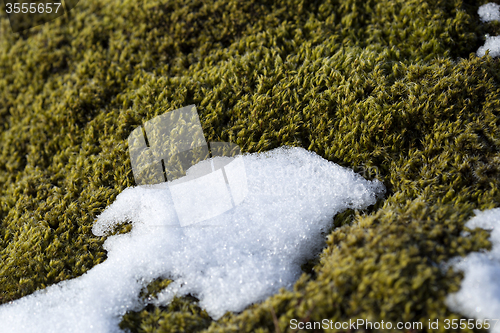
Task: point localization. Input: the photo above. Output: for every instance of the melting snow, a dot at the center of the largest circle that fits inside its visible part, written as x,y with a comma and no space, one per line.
487,13
228,262
479,295
492,44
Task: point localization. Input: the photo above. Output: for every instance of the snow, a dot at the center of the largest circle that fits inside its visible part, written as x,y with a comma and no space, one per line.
227,261
487,13
492,44
479,295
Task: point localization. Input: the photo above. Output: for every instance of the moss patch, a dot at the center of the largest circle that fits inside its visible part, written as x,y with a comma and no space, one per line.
387,88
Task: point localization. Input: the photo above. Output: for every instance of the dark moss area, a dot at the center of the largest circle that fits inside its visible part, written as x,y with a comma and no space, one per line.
391,89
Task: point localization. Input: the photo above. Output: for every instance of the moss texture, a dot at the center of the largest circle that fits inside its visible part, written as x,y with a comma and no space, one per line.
388,88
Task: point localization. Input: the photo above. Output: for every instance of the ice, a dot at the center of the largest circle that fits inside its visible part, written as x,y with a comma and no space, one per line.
479,295
489,12
228,262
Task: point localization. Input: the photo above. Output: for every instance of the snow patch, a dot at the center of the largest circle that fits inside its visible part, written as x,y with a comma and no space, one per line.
479,295
228,262
487,13
492,44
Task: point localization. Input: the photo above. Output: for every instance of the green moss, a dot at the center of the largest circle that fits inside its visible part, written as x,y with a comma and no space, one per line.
181,315
384,87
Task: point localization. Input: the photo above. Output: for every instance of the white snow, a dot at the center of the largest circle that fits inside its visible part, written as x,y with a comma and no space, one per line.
489,12
228,262
479,295
492,44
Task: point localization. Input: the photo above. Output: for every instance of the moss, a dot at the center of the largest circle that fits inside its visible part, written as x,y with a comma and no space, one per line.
181,315
384,87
